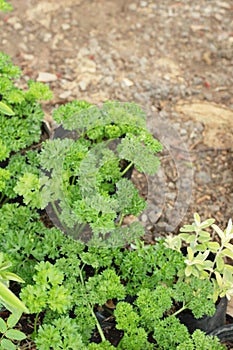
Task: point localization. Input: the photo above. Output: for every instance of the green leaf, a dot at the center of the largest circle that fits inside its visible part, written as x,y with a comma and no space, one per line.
184,236
5,109
13,319
142,156
187,228
10,276
7,344
220,263
4,6
3,326
15,334
191,239
203,234
197,219
229,246
227,252
10,300
188,271
218,279
213,246
229,229
218,231
207,223
229,268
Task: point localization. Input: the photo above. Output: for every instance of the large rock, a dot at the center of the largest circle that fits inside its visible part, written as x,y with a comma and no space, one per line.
217,120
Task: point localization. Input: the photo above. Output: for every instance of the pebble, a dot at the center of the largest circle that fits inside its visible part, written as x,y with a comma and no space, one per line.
83,85
64,95
144,218
154,216
17,26
47,37
203,177
132,7
143,3
45,77
108,80
65,26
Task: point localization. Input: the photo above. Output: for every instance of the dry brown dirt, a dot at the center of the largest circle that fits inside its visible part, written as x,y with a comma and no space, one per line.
174,58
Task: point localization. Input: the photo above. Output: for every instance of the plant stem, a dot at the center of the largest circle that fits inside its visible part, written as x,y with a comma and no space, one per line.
35,322
126,169
102,336
120,220
91,309
184,307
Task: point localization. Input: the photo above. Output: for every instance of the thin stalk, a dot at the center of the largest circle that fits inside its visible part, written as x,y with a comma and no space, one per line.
4,199
184,307
120,220
102,336
127,168
91,309
35,322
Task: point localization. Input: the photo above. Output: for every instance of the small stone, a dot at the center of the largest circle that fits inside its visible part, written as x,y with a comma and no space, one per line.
108,80
224,5
154,216
28,57
146,37
171,185
208,96
144,218
152,51
17,26
132,7
64,95
203,177
13,20
65,26
126,82
83,85
86,65
197,81
47,37
143,3
45,77
171,196
183,132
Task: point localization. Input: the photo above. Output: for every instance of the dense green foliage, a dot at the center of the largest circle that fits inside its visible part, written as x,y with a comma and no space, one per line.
198,260
84,178
73,290
77,280
23,127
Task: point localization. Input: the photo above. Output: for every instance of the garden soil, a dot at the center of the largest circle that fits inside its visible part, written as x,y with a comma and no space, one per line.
173,58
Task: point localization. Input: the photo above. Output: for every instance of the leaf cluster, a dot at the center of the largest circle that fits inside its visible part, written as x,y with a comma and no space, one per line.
21,127
62,333
146,266
81,278
7,298
205,258
26,240
10,337
48,291
86,175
